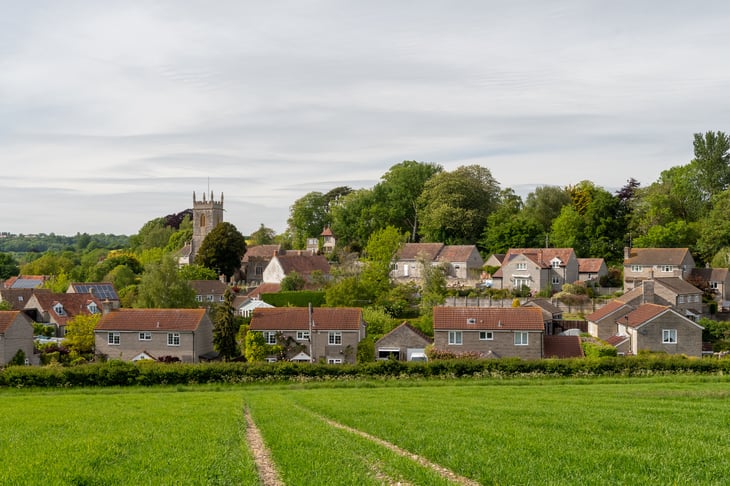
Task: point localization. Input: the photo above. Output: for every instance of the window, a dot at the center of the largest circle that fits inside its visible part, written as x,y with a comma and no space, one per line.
302,335
471,320
270,337
221,298
199,298
713,285
556,280
522,266
113,338
695,298
271,360
522,282
521,338
486,335
335,338
556,263
667,268
334,360
93,308
210,298
259,270
145,336
680,299
173,339
637,268
455,338
669,336
58,309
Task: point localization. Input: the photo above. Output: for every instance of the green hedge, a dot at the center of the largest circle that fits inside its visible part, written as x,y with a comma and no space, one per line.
118,373
295,298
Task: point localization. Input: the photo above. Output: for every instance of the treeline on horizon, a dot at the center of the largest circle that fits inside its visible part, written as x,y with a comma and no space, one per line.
686,206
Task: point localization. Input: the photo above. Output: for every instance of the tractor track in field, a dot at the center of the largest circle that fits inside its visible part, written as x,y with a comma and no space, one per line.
265,466
441,470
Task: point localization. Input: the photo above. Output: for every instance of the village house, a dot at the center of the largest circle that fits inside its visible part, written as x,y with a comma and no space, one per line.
489,331
208,292
650,263
462,262
25,282
320,334
672,291
603,322
16,334
590,270
308,266
537,269
255,260
660,328
404,343
17,298
103,290
716,281
58,309
161,334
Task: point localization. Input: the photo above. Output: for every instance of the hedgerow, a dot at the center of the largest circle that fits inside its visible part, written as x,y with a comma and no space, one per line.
119,373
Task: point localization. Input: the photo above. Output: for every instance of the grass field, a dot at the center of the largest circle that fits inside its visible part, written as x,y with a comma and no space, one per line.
668,430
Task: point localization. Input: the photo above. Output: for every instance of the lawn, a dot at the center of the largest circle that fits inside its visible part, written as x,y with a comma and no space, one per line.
666,430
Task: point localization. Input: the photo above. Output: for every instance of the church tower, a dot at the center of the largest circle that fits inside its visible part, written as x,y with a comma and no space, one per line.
207,214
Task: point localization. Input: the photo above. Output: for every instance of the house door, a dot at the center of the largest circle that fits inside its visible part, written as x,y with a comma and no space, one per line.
405,270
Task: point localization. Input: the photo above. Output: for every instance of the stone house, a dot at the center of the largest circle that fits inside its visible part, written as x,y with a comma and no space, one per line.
489,331
133,334
462,262
16,334
57,309
650,263
404,343
602,322
303,263
537,269
17,298
590,270
326,334
208,292
255,260
658,328
715,280
672,291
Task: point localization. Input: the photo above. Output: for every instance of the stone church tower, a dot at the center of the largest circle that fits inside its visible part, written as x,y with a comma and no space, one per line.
207,214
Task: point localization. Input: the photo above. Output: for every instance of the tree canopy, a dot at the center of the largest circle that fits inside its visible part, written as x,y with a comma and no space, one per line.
222,249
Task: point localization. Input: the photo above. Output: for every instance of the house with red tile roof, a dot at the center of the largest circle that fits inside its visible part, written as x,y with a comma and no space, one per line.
17,298
25,281
16,333
591,270
328,240
602,322
649,263
537,269
672,291
660,328
303,263
462,262
59,308
105,291
404,343
326,334
132,334
489,331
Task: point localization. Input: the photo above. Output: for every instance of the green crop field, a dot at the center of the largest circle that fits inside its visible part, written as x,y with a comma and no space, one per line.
666,430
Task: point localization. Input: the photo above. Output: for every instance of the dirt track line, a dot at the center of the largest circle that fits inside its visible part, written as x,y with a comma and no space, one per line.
444,472
265,466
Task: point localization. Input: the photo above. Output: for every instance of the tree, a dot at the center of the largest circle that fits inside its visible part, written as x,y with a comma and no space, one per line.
225,328
398,192
354,218
162,287
509,227
8,266
49,264
263,236
222,249
454,206
256,348
197,272
545,203
79,337
433,289
154,234
674,234
379,253
293,281
715,228
712,161
308,216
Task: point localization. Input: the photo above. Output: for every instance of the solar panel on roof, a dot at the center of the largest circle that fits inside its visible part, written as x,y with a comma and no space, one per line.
26,283
102,291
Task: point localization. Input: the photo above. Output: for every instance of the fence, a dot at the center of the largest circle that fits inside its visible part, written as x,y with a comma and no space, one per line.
586,308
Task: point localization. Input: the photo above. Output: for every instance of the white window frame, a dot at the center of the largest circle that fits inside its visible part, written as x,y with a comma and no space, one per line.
637,268
522,338
556,279
270,337
486,335
173,339
667,268
334,338
210,298
58,309
145,336
334,361
302,335
456,338
680,299
555,263
199,298
713,285
669,336
113,338
93,308
521,266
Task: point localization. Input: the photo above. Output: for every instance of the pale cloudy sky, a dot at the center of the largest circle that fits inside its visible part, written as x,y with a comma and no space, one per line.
113,112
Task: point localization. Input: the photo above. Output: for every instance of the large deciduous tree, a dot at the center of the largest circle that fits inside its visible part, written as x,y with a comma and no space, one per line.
308,216
545,203
8,266
162,287
454,206
79,336
222,249
712,161
263,236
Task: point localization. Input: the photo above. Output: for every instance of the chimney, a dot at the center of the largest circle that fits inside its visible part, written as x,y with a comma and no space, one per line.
648,292
627,253
106,307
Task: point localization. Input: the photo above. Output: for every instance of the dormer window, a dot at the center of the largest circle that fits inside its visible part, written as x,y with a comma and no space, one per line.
93,308
58,309
555,262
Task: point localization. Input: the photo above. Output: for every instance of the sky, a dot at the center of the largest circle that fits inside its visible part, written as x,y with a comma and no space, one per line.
114,113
